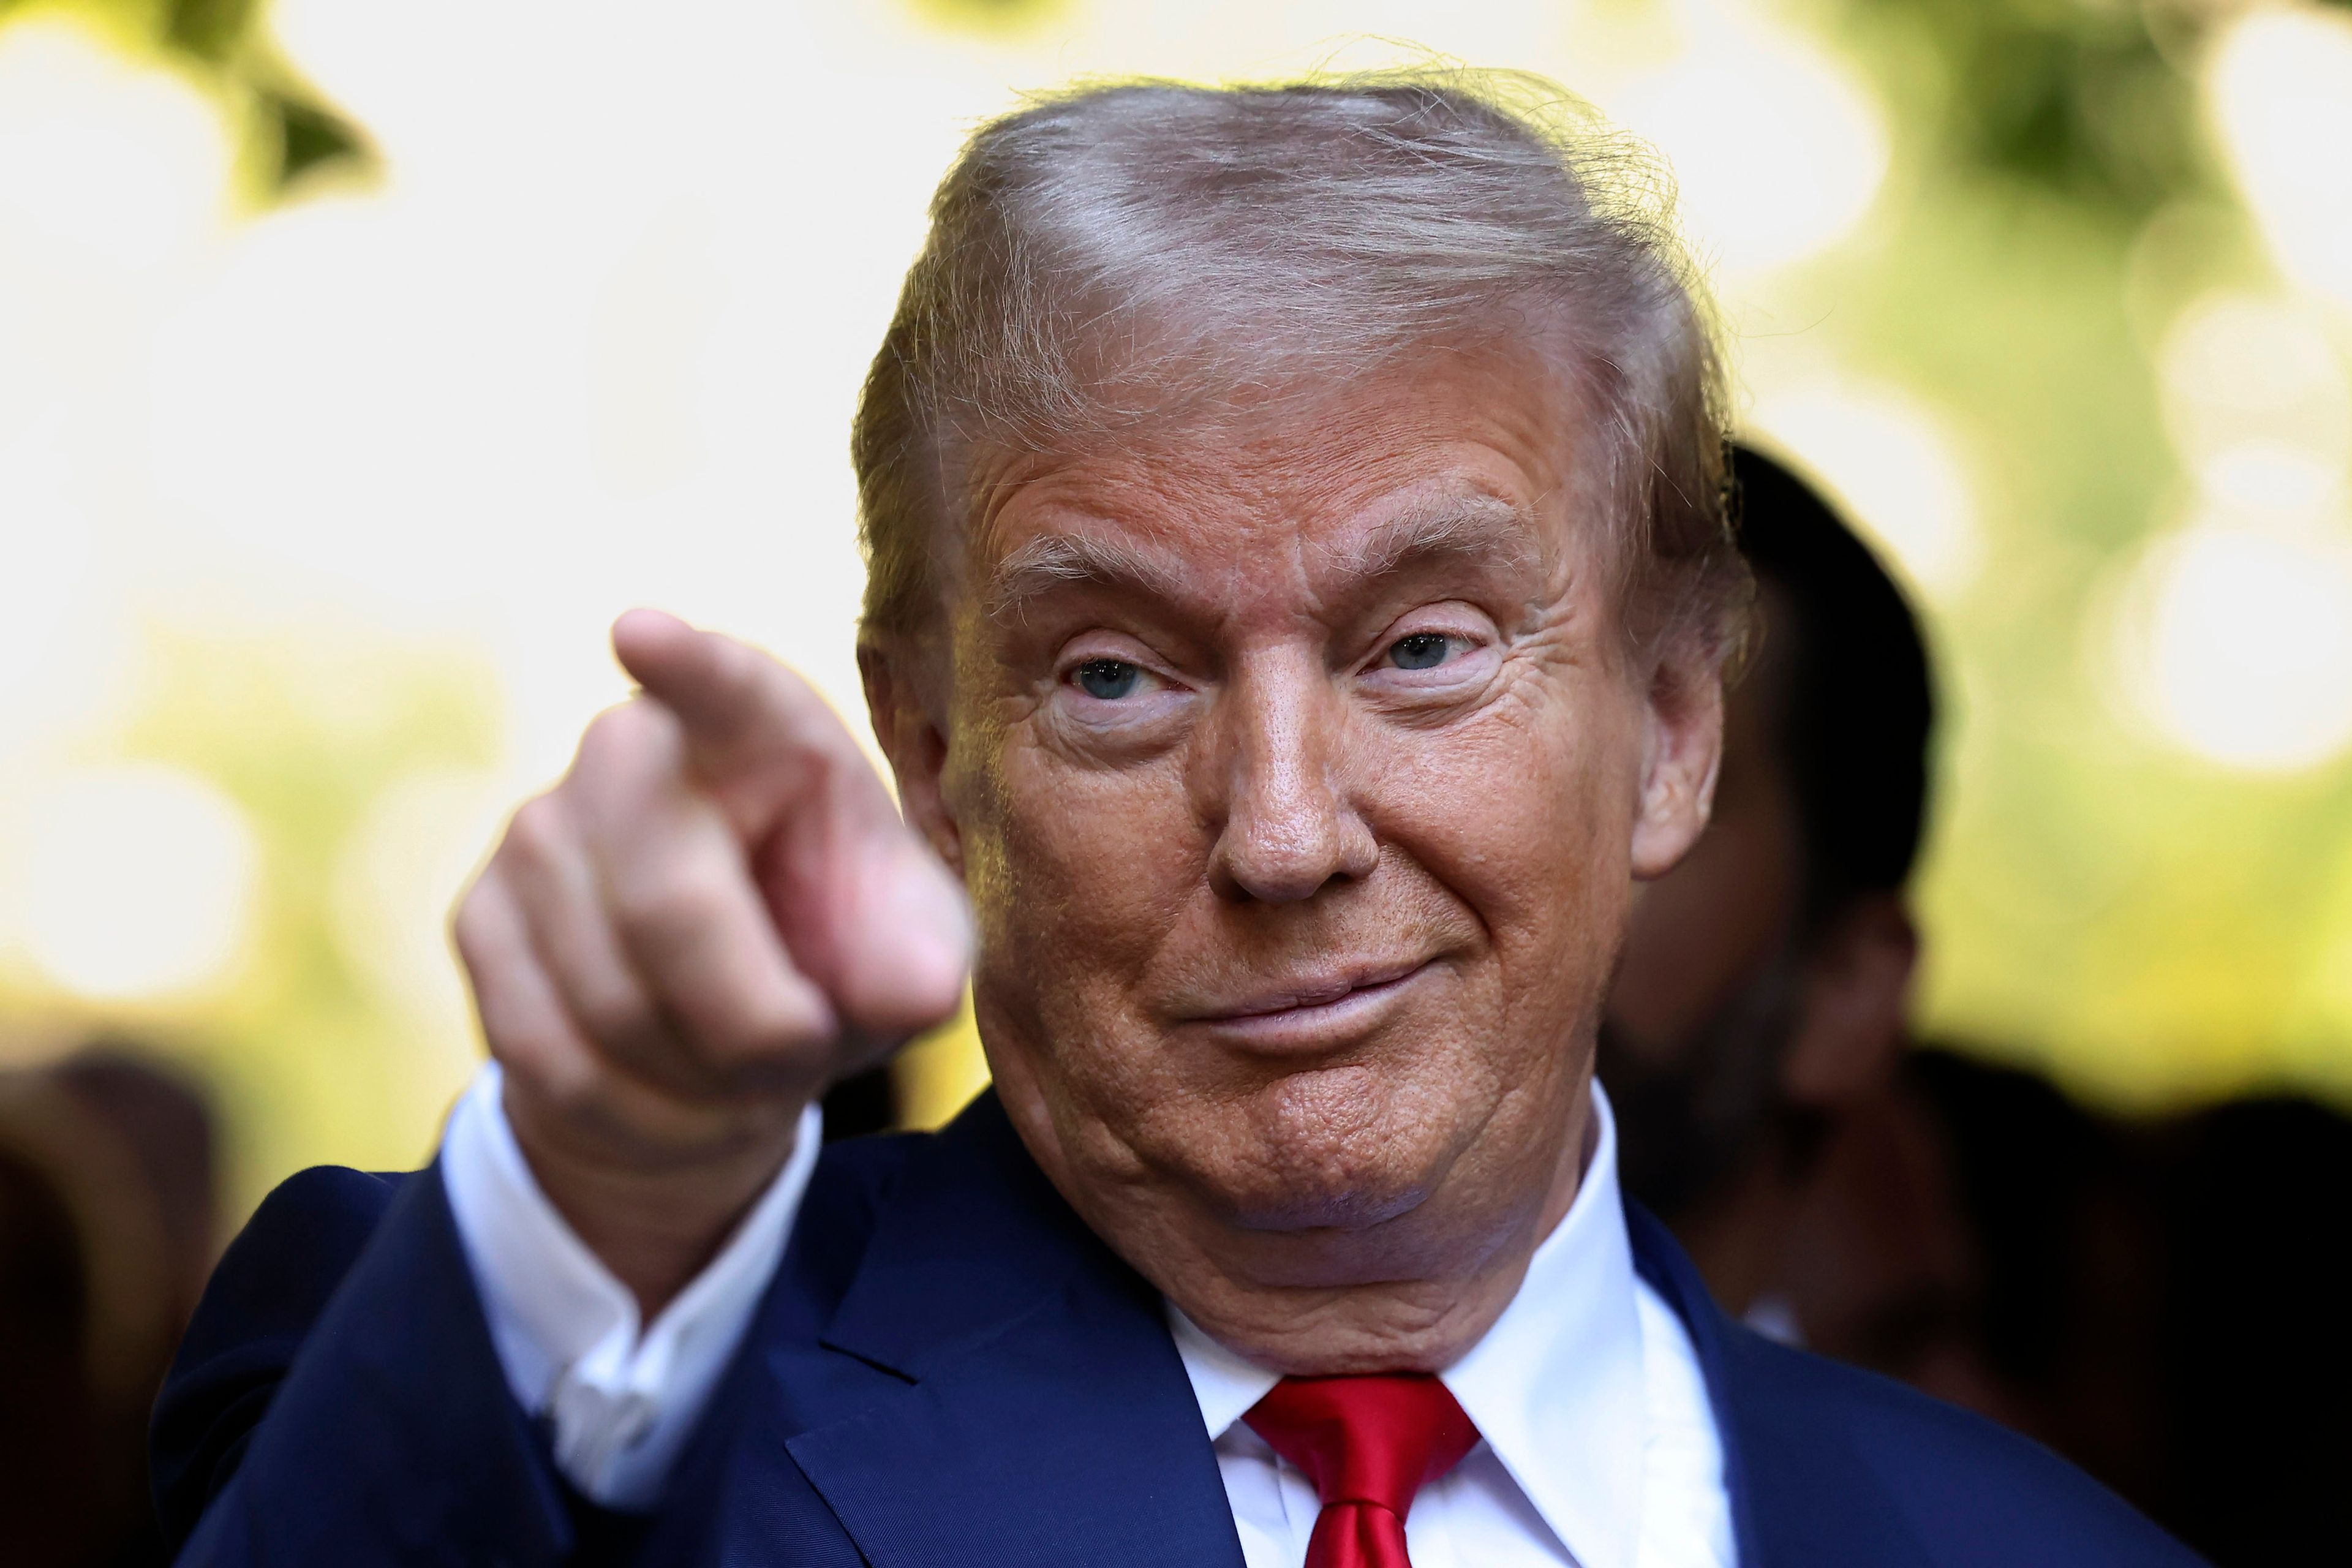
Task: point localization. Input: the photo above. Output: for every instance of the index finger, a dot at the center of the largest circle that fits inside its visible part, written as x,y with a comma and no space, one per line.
748,720
865,908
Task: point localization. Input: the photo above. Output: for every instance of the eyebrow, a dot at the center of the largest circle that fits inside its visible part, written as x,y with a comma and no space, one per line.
1060,560
1438,528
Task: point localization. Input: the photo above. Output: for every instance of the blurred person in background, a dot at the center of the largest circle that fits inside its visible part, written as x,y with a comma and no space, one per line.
2255,1365
2160,1300
2018,1236
1299,597
107,1219
1761,1000
2145,1298
1914,1214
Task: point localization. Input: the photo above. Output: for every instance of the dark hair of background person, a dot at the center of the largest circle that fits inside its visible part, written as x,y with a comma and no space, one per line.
2162,1302
2252,1350
1819,813
107,1231
1859,708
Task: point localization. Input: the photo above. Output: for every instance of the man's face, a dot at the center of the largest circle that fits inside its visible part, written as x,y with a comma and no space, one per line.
1300,778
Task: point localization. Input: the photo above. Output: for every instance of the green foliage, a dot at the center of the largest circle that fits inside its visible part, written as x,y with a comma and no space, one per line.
291,133
2147,926
2077,100
209,29
312,139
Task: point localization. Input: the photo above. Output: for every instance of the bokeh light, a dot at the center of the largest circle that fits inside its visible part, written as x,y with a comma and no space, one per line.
2281,90
130,882
1776,150
63,642
1890,461
318,495
2258,403
2237,642
104,164
418,839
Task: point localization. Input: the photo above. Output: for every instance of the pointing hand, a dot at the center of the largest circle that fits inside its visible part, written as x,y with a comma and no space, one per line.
713,916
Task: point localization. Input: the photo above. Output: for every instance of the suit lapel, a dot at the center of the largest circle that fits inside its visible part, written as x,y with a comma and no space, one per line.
1045,1416
1800,1496
1042,1414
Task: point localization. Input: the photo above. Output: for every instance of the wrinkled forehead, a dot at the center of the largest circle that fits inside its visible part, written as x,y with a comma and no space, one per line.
1460,456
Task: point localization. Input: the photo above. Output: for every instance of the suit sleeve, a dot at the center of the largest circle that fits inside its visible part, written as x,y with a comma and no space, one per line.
338,1399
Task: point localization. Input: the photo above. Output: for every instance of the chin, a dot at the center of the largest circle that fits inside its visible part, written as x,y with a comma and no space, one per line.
1317,1152
1333,1205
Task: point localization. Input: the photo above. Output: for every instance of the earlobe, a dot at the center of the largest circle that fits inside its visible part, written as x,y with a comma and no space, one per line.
914,741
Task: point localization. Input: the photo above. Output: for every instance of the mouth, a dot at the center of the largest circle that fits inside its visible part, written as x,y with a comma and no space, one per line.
1316,1013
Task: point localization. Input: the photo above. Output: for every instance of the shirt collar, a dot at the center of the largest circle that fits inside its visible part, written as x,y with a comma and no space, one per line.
1555,1386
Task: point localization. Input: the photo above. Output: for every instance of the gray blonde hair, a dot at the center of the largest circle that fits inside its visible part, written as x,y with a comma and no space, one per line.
1115,253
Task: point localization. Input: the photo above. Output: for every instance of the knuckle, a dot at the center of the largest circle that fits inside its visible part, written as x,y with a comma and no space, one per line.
623,736
572,1086
480,928
540,829
466,924
622,1021
563,1080
530,1049
664,911
782,1030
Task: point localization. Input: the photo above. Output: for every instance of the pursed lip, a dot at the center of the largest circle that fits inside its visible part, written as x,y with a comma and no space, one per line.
1311,1010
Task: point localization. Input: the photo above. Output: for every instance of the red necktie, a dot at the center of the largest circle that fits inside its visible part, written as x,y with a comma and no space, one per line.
1369,1444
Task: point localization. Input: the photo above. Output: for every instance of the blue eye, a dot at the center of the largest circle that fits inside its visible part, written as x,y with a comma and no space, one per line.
1422,650
1108,679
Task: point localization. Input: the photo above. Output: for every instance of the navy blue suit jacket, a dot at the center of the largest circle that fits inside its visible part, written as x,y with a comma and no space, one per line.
949,1369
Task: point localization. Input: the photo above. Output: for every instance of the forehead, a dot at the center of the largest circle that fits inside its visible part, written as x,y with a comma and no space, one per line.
1464,456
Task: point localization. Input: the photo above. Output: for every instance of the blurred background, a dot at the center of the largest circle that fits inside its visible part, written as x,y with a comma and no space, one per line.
357,363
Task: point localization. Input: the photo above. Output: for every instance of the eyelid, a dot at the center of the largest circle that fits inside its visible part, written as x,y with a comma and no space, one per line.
1453,628
1461,648
1153,679
1070,664
1455,617
1100,641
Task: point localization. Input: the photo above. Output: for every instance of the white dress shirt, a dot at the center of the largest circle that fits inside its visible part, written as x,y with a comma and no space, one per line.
1597,1445
621,1404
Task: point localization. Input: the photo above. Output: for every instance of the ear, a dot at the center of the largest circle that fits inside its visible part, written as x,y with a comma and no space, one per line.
1853,1016
909,716
1682,753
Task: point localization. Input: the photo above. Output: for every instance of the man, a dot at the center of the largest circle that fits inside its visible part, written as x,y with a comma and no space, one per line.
1297,600
1761,1003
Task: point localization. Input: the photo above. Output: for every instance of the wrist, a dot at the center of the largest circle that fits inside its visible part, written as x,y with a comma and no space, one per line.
654,1211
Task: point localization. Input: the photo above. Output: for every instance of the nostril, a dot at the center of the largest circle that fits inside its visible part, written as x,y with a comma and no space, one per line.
1292,857
1287,822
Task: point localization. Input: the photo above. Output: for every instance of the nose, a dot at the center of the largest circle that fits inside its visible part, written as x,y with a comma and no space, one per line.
1279,790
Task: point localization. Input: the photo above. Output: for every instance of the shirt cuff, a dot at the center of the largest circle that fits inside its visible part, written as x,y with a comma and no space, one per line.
620,1403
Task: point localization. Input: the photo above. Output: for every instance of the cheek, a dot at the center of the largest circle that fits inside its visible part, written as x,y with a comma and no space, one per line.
1527,814
1077,876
